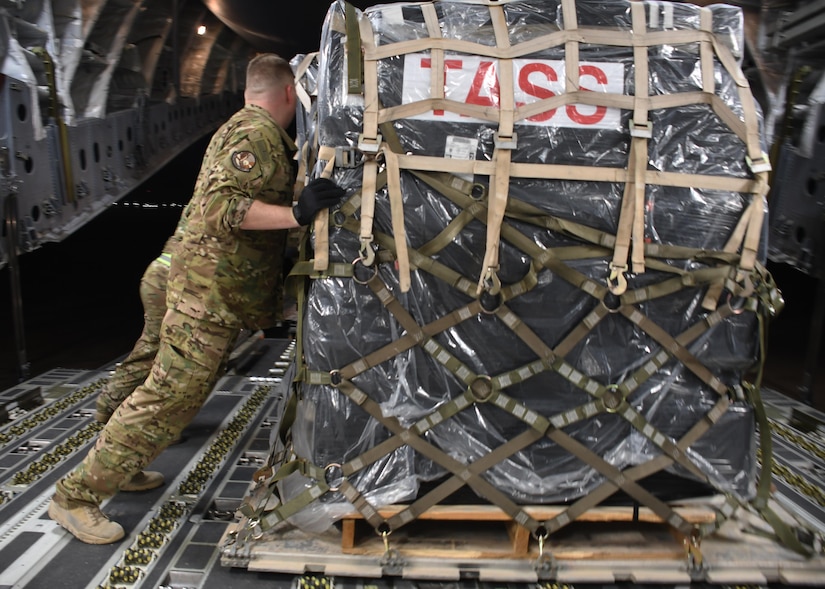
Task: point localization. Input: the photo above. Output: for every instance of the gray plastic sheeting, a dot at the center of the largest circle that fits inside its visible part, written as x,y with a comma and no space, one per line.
345,321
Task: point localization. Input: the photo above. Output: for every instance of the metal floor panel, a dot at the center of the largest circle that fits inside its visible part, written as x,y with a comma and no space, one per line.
201,490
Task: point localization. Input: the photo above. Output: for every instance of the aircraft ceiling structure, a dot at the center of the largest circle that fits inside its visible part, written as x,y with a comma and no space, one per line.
95,97
285,28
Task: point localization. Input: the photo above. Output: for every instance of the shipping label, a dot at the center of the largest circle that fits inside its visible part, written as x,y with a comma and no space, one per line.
473,79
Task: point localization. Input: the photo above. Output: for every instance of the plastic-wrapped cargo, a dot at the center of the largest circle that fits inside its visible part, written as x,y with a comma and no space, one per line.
546,284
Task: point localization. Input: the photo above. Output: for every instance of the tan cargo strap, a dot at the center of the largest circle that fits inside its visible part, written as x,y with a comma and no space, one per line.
397,208
630,232
300,72
505,142
321,224
354,72
746,234
463,474
309,149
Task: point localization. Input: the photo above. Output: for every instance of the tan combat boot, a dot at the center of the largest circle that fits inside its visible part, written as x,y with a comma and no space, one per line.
143,481
85,521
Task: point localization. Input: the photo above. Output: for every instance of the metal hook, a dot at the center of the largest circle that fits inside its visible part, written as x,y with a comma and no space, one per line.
254,524
385,536
492,283
616,281
366,252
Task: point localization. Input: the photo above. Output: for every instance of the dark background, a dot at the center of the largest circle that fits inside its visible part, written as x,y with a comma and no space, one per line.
82,308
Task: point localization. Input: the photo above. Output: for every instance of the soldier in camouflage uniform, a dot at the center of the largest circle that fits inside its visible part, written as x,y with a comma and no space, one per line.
134,369
225,275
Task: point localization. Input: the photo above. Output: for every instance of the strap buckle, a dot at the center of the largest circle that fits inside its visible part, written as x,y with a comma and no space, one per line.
369,145
345,157
641,129
763,164
508,142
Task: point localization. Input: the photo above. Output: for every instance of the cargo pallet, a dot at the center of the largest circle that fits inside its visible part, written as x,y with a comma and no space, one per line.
605,545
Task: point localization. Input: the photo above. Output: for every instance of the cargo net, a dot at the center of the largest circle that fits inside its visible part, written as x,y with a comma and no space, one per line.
546,282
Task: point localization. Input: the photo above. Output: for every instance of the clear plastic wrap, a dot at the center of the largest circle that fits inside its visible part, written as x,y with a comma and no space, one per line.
344,321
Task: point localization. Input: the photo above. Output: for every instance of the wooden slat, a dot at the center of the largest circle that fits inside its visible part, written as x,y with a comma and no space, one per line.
518,538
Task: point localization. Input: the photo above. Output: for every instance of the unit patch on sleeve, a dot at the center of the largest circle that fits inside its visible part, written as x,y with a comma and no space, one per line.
244,160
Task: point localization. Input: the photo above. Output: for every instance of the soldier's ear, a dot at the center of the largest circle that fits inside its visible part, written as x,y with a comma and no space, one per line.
291,94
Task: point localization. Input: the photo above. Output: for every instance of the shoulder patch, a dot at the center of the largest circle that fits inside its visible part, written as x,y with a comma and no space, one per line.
244,160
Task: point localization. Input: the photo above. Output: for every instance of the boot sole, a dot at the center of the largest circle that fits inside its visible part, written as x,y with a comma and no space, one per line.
83,537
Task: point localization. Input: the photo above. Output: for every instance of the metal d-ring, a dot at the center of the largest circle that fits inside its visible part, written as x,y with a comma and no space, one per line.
478,191
612,399
735,304
335,378
355,271
329,470
481,388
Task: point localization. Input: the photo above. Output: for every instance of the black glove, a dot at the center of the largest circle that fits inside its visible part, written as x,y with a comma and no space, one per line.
319,194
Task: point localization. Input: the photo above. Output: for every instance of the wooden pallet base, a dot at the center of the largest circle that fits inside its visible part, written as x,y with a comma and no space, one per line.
484,531
607,545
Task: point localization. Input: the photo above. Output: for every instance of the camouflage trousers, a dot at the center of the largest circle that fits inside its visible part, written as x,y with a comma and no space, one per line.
185,369
134,369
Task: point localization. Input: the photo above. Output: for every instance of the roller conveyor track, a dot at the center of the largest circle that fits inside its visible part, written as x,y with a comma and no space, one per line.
174,533
798,436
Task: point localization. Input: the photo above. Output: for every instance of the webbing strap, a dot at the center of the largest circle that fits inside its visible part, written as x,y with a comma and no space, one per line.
618,479
462,473
354,68
571,33
676,454
500,178
437,73
321,224
398,229
747,232
371,102
306,268
782,530
672,346
641,131
300,72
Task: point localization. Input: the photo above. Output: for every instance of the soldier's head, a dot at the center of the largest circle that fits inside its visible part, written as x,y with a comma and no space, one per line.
270,84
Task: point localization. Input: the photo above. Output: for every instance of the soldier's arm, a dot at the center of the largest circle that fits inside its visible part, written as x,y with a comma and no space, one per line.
264,216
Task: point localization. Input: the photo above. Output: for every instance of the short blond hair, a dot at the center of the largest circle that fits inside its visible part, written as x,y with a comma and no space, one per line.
267,71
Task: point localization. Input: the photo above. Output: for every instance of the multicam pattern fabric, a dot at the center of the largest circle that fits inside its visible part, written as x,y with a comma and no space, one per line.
222,273
156,412
134,369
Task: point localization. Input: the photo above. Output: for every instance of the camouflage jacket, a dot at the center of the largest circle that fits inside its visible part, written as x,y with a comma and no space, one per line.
220,272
